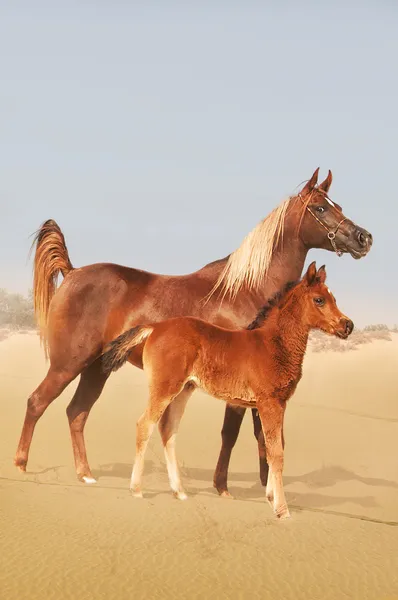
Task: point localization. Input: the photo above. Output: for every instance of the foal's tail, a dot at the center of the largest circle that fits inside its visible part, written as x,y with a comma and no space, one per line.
51,259
116,353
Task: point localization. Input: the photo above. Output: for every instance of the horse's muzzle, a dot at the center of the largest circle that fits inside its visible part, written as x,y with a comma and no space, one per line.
360,243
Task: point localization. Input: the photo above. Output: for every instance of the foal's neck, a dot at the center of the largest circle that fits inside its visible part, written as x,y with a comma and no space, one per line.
290,332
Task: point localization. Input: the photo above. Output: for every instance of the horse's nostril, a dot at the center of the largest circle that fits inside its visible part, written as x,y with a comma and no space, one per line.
364,238
349,326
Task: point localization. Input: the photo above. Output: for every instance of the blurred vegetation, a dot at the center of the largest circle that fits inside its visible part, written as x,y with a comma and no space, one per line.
16,311
321,342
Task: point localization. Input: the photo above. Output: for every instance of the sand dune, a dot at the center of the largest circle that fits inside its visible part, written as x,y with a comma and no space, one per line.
61,539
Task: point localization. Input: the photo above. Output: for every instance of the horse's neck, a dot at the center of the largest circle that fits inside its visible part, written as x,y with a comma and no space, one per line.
286,265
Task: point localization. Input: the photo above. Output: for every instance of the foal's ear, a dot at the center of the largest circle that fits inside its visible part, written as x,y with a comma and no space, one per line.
321,274
310,275
325,185
310,185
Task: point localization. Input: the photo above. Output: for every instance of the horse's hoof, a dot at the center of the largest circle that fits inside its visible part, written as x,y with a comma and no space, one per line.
88,480
226,494
136,492
283,515
20,464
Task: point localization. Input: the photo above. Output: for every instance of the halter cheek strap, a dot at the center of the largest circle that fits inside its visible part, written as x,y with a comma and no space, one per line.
331,233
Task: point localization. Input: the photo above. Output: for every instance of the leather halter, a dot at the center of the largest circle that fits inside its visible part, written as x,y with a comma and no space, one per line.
331,233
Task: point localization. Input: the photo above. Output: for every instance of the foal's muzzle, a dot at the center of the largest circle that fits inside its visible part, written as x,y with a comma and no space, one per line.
345,328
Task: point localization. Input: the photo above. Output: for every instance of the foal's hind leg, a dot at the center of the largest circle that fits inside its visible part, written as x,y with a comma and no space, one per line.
168,427
50,388
229,434
262,455
92,381
145,426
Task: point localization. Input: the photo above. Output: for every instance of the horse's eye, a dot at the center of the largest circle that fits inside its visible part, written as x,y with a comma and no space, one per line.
319,301
320,209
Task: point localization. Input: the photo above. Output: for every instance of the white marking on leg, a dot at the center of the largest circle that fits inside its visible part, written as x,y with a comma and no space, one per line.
172,468
136,475
269,490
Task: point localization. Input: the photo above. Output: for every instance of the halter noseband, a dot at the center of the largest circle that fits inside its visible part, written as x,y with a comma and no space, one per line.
331,234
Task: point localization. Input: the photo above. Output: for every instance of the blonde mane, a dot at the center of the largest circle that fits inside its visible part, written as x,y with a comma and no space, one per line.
248,264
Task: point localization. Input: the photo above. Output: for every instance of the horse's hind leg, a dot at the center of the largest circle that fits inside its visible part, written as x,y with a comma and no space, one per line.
92,381
262,455
50,388
229,434
168,428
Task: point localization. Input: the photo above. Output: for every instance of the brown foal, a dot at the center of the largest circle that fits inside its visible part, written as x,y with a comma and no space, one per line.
96,303
258,368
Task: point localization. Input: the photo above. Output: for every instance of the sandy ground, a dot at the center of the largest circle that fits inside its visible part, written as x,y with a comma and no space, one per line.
60,539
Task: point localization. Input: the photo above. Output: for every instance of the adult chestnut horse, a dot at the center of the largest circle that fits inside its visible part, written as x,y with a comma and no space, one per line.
96,303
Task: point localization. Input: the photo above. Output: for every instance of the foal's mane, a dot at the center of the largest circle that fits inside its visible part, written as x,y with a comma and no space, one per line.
248,264
274,301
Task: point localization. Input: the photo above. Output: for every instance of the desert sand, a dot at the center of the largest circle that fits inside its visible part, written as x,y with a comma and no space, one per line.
61,539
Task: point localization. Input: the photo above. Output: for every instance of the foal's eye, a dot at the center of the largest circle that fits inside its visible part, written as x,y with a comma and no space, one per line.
320,209
319,301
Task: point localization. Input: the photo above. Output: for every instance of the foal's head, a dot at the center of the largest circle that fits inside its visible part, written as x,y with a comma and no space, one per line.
322,223
318,307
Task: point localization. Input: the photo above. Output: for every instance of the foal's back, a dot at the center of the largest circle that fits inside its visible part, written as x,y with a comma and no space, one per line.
228,364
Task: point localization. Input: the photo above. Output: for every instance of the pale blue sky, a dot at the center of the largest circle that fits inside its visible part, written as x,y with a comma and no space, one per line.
158,134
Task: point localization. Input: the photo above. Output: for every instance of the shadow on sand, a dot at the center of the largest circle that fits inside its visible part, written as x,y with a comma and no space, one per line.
321,478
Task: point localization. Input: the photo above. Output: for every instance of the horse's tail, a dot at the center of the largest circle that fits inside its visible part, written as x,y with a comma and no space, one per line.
51,259
116,353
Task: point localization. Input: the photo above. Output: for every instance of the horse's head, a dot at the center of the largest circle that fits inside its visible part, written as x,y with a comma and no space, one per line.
323,224
318,305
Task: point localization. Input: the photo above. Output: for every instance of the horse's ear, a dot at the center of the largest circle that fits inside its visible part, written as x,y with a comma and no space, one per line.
309,186
311,273
321,274
325,185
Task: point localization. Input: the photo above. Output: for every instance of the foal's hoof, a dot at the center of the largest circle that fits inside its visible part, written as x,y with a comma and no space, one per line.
283,514
88,480
180,495
136,492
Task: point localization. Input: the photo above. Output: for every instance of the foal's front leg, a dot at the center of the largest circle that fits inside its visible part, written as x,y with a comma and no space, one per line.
271,415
